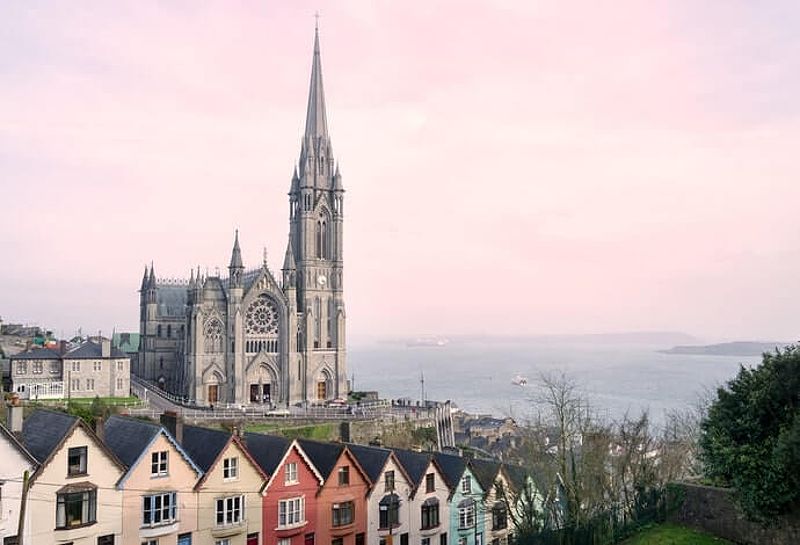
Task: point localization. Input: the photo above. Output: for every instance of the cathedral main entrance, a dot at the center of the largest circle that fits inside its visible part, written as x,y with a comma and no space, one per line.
213,393
260,393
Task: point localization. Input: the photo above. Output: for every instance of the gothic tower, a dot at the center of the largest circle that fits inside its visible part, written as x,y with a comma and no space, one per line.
315,221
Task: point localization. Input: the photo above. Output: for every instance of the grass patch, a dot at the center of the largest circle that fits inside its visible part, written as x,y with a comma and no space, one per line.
320,432
110,401
672,534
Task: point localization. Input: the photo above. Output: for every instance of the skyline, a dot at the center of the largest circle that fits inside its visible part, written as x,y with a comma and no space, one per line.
634,173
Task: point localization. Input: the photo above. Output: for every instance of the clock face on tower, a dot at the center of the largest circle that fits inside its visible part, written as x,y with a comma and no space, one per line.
321,280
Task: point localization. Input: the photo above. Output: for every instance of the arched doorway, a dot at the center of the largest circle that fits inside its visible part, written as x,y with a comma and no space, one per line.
264,385
324,385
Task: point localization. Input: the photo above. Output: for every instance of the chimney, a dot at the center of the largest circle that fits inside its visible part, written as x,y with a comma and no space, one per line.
99,428
105,347
14,415
344,432
173,424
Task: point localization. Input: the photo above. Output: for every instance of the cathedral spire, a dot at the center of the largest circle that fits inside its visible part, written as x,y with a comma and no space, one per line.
144,278
288,260
236,255
316,120
152,280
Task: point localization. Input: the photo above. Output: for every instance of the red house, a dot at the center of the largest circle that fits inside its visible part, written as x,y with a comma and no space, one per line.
289,506
342,498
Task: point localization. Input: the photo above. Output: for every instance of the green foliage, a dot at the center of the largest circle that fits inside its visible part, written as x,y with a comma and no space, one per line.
89,412
750,439
672,534
320,432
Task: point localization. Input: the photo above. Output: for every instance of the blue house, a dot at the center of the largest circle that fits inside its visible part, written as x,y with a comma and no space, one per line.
467,509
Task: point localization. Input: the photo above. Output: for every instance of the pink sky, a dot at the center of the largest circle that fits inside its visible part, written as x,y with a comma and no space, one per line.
510,167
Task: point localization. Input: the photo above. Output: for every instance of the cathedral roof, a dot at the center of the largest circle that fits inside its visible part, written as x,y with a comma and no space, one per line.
171,300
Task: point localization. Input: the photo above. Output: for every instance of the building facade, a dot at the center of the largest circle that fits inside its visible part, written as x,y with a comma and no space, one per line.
254,336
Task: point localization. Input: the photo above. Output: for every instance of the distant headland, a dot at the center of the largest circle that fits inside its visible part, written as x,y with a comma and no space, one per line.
737,348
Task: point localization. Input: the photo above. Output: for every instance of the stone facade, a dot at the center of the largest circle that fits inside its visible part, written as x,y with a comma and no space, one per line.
252,337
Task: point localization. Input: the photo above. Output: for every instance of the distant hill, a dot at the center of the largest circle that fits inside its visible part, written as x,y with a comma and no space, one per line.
738,348
662,338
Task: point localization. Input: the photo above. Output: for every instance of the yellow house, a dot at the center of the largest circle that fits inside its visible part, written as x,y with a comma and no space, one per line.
72,495
229,494
159,503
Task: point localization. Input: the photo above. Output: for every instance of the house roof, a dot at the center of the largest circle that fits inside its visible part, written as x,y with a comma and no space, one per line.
92,350
44,430
36,354
452,468
371,459
266,450
15,443
204,445
485,471
128,437
414,463
322,455
127,342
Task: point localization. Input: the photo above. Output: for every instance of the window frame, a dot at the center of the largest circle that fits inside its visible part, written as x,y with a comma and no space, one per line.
431,513
466,516
343,513
388,481
292,512
430,482
290,474
230,468
466,484
158,509
159,464
83,461
88,506
344,476
231,511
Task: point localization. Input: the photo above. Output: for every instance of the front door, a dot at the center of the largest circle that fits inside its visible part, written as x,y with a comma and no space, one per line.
266,397
254,393
213,393
252,539
322,390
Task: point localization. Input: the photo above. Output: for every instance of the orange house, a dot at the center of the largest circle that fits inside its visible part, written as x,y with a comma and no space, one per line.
342,498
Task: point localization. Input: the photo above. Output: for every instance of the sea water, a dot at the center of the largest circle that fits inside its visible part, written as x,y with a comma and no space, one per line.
477,376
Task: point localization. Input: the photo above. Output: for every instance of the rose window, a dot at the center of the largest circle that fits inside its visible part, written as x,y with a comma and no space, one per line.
262,317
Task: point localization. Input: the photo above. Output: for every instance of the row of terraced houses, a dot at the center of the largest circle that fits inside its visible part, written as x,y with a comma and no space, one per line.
136,482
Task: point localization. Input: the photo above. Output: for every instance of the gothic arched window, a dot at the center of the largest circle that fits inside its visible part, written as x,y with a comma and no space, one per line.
212,335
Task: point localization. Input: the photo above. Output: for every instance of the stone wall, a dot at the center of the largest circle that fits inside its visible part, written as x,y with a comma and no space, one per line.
713,510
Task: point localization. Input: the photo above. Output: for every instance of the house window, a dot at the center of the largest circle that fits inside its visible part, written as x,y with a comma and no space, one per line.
290,473
159,509
343,513
54,368
388,481
38,367
291,512
430,513
76,509
285,541
466,485
120,366
462,541
150,542
158,463
98,366
76,366
230,510
76,461
344,476
443,538
120,384
466,514
389,511
76,384
230,468
499,517
430,483
225,541
360,539
89,384
479,538
425,541
22,368
337,541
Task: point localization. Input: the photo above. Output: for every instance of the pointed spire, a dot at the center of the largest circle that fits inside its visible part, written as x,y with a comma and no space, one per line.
152,280
191,277
144,277
288,260
316,120
236,255
295,181
337,179
265,258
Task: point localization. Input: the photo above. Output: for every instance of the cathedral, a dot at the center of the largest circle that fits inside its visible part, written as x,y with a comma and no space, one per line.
255,337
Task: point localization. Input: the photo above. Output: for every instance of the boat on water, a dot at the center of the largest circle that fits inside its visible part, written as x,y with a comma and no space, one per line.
519,380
